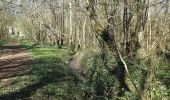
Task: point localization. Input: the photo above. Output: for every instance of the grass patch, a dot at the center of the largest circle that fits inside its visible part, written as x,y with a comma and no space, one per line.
50,77
3,42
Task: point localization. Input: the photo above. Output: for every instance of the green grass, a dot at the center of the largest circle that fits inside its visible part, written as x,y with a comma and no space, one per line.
2,42
50,76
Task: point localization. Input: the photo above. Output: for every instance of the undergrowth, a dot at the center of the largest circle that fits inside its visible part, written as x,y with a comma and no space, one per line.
51,77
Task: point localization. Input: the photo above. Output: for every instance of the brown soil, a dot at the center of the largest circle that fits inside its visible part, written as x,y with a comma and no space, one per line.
76,66
13,61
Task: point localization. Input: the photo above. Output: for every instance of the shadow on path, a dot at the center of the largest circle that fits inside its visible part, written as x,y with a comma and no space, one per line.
26,92
16,62
13,61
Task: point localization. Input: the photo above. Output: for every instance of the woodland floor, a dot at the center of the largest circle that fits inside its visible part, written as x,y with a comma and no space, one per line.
13,62
35,73
30,72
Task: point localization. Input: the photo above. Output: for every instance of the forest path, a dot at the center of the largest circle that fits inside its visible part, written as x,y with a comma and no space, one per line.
27,72
13,62
76,66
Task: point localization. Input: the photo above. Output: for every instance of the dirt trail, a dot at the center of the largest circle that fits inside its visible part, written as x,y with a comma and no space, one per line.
76,66
13,61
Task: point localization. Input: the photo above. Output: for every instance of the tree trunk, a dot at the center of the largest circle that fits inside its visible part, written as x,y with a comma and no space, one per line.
71,29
